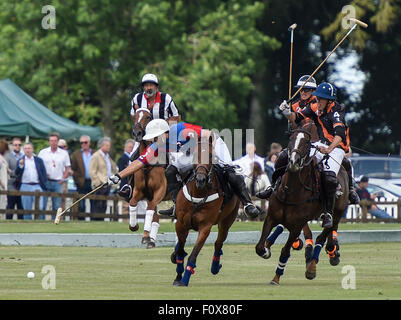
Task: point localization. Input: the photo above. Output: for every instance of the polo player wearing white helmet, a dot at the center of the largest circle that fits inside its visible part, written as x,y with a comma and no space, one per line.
180,134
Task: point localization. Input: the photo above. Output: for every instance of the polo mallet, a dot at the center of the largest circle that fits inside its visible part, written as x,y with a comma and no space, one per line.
60,211
291,29
357,22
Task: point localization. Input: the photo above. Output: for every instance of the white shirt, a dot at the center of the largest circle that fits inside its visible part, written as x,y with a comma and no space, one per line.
261,183
245,163
55,162
30,174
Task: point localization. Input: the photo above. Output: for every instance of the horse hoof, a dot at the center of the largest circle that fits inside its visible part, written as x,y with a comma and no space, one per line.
145,240
151,245
215,270
298,245
179,283
267,253
173,258
334,261
134,228
310,272
274,283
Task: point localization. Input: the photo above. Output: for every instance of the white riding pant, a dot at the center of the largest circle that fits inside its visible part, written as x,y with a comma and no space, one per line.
334,160
182,161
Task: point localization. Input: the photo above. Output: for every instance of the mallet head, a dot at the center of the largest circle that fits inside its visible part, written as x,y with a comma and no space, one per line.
292,27
359,23
58,216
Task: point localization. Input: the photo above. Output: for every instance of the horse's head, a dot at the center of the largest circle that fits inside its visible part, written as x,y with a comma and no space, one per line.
298,149
141,119
203,168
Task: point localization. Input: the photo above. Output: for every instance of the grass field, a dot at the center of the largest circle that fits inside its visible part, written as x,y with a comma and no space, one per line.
166,226
137,273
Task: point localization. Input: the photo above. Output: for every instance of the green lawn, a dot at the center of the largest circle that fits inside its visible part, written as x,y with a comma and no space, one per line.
137,273
166,226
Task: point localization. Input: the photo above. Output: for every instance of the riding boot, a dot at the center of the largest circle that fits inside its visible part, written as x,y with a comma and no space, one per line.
330,187
173,187
238,185
279,168
353,196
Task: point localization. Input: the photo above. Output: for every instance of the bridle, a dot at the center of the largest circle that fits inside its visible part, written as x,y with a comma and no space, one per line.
304,159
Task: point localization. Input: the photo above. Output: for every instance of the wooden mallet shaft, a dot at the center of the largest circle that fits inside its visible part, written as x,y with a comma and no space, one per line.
60,212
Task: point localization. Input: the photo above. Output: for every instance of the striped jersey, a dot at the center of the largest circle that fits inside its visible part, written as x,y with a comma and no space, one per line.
164,107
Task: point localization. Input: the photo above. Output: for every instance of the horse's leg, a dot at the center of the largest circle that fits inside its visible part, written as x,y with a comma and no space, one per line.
153,218
179,253
224,226
133,210
310,272
263,246
298,243
204,232
285,255
332,247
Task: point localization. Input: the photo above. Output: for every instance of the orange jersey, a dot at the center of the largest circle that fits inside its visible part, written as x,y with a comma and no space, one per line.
301,105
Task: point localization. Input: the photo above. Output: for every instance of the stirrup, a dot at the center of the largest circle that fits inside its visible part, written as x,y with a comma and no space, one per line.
125,192
168,212
251,210
327,220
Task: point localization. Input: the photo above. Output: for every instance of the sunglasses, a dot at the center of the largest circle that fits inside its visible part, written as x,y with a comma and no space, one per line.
306,90
17,145
84,142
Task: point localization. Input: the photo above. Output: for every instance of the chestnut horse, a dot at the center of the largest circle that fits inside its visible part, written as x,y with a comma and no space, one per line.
297,201
150,182
199,207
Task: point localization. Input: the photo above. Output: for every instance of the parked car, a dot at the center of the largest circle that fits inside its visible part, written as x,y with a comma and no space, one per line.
384,188
380,167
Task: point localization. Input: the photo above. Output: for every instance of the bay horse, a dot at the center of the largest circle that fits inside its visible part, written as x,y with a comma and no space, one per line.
150,183
297,201
199,206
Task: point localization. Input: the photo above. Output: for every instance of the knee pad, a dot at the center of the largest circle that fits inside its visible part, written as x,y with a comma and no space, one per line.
330,180
282,159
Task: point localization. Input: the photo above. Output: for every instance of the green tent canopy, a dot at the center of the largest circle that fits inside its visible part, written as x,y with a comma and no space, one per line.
21,115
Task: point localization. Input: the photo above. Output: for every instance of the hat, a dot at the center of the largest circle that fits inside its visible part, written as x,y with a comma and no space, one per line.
364,179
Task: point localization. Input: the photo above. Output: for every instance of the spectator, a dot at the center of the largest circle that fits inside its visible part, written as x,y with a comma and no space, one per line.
62,144
101,168
246,162
57,164
31,176
258,180
3,173
12,158
363,193
80,160
269,164
122,163
275,148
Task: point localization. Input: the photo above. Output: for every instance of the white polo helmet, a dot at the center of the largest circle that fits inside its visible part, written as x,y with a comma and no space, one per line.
150,77
156,128
311,84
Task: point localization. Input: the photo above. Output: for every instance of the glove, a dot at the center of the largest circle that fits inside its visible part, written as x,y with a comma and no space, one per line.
285,108
114,179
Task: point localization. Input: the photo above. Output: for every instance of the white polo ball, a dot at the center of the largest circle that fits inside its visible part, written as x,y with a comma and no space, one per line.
30,275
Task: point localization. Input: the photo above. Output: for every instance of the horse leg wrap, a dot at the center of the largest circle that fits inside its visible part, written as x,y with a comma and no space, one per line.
154,229
316,251
216,266
272,238
132,215
180,264
189,271
282,262
148,220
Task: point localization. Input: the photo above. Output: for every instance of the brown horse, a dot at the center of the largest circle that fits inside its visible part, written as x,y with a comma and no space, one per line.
297,201
150,184
199,207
